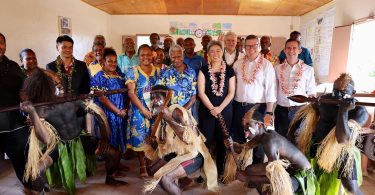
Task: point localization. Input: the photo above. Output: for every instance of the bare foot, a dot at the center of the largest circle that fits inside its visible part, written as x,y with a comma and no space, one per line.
112,182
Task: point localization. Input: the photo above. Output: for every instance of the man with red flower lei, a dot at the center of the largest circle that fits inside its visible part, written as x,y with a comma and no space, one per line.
294,77
256,84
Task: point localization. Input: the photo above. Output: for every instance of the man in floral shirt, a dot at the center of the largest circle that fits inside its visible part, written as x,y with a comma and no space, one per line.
180,78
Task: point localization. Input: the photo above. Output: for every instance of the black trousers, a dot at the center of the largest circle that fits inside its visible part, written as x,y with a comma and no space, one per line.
283,117
210,127
15,146
237,130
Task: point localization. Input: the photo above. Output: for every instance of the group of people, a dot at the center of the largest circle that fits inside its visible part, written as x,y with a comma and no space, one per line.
180,110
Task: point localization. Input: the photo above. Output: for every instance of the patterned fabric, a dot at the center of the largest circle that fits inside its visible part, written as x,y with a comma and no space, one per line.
125,63
102,81
182,84
75,77
94,68
274,59
138,125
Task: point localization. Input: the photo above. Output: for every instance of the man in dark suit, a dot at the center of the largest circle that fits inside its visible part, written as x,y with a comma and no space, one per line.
72,72
14,132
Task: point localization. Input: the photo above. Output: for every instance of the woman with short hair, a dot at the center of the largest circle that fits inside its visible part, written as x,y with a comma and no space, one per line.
216,87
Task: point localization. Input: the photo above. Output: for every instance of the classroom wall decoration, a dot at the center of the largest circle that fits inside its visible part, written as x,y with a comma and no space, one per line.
198,29
317,37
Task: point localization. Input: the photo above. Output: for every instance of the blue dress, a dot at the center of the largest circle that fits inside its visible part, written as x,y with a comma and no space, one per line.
117,124
138,125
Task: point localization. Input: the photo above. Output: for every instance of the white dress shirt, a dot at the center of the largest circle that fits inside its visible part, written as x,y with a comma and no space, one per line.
263,89
306,86
229,58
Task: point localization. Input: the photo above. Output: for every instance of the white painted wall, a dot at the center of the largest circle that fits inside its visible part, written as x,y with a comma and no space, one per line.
315,13
347,11
34,24
351,10
242,25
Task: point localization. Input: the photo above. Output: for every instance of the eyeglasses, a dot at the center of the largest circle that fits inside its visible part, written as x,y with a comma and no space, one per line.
255,46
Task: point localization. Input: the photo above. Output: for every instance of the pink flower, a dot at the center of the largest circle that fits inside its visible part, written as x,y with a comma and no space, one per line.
214,86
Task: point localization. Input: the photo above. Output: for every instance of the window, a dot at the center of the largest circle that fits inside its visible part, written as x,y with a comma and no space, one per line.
361,62
145,39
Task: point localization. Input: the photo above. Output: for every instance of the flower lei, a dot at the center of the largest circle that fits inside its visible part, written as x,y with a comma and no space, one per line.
67,75
214,85
284,87
253,73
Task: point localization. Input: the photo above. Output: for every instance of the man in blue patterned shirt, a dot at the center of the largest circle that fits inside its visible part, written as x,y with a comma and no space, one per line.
180,78
129,58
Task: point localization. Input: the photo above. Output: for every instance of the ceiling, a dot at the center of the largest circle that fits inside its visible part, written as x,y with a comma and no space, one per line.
208,7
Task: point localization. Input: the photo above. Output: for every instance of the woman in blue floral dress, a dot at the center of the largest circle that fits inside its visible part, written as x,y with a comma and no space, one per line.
139,80
113,105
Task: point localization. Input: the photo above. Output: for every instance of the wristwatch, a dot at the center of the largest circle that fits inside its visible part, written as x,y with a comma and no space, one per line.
270,113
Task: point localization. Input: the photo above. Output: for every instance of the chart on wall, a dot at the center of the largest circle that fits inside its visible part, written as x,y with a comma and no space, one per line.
198,29
317,37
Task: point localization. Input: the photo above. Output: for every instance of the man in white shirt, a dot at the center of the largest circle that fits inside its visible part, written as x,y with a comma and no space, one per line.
231,54
256,84
294,77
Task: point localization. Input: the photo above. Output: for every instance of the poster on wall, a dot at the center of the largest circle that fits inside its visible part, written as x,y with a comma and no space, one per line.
317,37
65,26
198,29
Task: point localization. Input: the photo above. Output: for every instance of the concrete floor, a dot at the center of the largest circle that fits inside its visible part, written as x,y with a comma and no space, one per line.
9,184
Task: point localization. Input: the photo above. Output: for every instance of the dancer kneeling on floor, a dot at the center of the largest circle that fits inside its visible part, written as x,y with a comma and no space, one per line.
287,171
177,147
